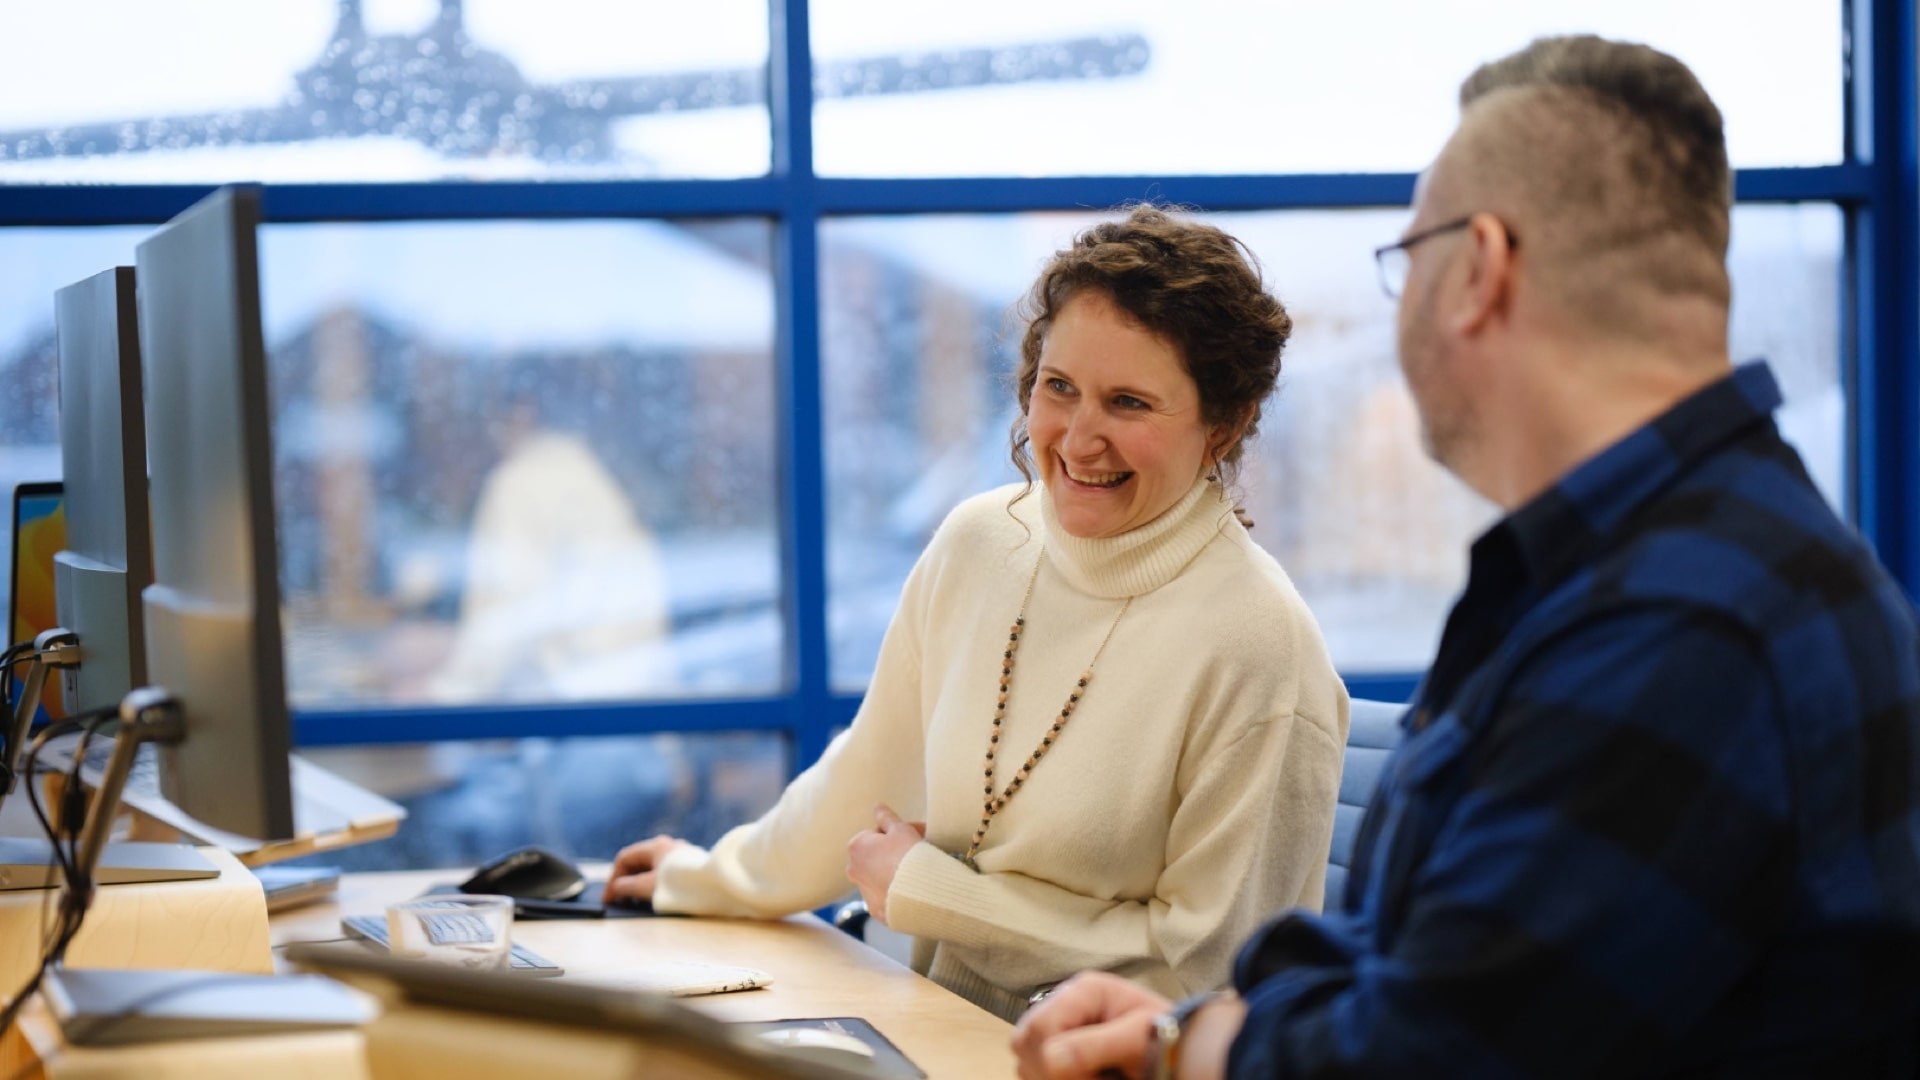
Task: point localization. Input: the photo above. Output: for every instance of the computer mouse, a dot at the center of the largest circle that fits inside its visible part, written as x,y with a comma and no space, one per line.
820,1045
529,872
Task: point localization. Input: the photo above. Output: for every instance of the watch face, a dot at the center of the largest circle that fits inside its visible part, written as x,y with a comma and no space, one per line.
1163,1048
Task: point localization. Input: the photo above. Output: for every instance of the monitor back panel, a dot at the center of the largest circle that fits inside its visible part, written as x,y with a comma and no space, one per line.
213,611
107,559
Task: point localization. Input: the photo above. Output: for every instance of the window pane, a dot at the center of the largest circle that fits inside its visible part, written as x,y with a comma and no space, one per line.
207,91
916,357
33,263
524,461
1014,88
515,461
583,798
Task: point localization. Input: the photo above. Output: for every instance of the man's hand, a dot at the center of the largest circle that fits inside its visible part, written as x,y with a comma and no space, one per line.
873,857
1097,1023
1093,1022
632,879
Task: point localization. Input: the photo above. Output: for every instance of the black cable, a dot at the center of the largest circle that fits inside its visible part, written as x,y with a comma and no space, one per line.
14,654
12,1010
78,892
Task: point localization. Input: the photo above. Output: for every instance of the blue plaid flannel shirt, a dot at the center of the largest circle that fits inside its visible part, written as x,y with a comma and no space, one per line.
1657,806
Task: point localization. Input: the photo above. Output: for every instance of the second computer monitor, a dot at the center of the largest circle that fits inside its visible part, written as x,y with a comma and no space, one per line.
213,610
107,559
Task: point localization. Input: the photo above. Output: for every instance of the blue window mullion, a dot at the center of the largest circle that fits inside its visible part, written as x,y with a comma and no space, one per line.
775,195
410,724
1887,273
803,526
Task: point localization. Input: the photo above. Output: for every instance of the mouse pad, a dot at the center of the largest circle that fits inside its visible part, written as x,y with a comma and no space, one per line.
585,906
887,1058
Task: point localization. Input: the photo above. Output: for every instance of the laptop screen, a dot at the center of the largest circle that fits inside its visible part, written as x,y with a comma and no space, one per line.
39,532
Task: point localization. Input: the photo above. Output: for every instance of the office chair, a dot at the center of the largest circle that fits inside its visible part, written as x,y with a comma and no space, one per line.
1373,727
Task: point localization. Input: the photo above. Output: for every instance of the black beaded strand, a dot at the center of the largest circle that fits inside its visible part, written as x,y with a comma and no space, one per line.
992,803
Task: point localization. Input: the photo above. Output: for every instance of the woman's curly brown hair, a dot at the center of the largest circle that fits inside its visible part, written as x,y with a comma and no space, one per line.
1189,283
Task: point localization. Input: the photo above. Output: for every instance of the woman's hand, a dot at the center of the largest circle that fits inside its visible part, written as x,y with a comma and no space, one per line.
632,880
874,857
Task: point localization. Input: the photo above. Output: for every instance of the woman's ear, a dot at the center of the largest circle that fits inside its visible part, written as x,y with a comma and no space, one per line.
1224,437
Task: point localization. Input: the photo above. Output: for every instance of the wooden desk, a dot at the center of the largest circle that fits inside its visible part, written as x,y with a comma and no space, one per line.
817,970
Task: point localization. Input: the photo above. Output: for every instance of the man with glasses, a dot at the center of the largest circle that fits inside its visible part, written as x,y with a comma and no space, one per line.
1657,805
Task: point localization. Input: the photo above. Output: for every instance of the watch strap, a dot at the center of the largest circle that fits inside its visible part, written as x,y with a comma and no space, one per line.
1163,1048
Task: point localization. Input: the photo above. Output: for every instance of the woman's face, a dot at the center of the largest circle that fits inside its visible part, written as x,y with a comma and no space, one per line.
1114,420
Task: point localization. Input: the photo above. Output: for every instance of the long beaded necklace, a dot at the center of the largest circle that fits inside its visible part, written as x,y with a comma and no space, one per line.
993,803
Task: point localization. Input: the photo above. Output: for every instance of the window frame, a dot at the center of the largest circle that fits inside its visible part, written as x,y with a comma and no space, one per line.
1876,186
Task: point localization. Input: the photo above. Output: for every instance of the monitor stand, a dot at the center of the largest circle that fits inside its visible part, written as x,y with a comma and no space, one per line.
27,863
99,1007
109,1006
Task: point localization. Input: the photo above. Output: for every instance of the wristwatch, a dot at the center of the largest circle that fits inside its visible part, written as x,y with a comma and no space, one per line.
1163,1048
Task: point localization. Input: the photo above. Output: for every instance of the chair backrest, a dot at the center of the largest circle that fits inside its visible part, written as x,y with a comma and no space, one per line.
1373,727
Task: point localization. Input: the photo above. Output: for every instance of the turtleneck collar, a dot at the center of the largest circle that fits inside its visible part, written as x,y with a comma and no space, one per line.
1139,560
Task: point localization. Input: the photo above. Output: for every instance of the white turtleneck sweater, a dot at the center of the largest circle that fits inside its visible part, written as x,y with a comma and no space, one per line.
1189,798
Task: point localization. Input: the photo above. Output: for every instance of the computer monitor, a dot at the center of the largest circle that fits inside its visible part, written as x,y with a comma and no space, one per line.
102,563
108,557
39,533
213,611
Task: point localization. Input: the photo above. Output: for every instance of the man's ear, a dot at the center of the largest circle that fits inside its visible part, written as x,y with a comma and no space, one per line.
1491,269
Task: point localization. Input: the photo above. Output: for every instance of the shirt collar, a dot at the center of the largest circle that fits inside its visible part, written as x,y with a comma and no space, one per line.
1562,525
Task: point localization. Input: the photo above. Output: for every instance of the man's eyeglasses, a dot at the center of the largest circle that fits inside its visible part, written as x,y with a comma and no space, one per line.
1395,260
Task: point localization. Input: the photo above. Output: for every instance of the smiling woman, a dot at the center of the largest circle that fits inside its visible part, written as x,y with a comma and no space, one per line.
1176,726
1151,344
1115,420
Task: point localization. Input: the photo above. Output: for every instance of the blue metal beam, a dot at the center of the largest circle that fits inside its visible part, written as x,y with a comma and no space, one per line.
1846,183
1886,254
341,727
803,525
151,204
1385,687
787,191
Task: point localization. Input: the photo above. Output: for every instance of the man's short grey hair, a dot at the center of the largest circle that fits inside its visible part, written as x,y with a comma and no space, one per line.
1619,154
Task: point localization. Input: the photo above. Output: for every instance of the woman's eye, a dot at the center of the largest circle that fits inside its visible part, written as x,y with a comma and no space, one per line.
1126,401
1058,386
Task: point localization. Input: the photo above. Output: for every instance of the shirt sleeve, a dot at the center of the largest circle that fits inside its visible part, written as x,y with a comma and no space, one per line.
794,857
1254,826
1606,860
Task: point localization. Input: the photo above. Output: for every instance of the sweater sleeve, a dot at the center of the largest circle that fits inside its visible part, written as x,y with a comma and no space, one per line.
795,856
1249,836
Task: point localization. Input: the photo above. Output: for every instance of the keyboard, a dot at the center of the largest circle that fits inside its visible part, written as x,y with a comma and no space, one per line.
143,779
456,928
525,961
